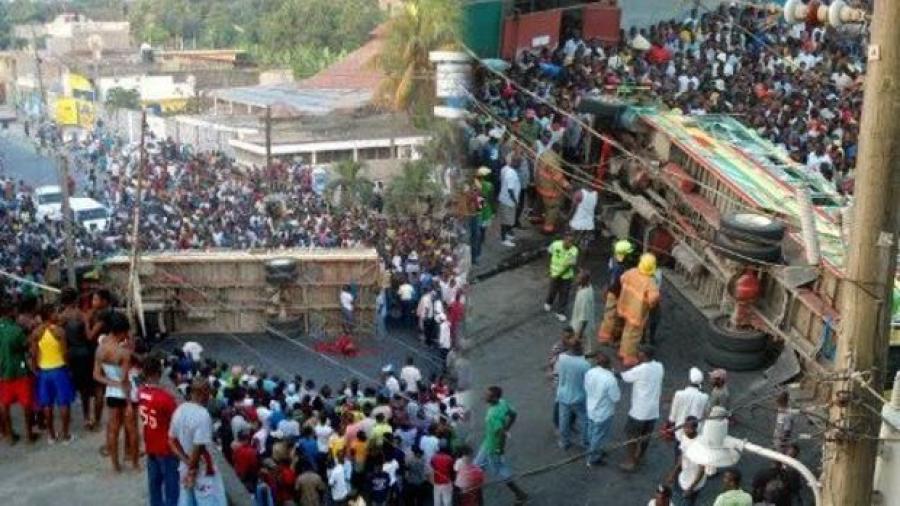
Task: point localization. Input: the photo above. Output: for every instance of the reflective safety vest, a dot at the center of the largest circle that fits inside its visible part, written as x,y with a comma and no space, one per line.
638,295
549,179
562,260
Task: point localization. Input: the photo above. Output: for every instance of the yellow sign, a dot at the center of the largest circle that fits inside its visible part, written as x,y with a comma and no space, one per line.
74,112
80,86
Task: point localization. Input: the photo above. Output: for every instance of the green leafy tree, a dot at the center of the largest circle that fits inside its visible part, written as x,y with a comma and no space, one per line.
6,38
420,27
355,189
122,98
409,192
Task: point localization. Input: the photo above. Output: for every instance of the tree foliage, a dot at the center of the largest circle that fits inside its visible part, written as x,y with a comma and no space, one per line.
305,35
409,192
354,187
420,27
123,98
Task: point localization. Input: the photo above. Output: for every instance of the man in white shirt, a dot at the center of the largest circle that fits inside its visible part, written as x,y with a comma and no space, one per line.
603,393
190,433
691,475
347,309
391,384
687,402
445,341
411,375
323,432
646,378
582,220
510,193
405,293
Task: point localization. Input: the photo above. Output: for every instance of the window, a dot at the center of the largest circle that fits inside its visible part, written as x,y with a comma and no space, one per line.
334,156
375,153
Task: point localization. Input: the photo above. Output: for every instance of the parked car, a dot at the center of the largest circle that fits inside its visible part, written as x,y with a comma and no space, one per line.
89,213
48,200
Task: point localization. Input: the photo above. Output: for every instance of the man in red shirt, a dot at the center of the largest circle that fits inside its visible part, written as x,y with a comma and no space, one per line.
245,460
442,477
469,479
156,406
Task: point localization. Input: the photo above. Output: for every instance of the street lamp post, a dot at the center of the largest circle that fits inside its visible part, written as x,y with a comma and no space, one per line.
714,447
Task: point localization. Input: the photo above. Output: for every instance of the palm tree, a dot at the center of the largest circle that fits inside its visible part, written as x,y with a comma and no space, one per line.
421,26
410,191
348,186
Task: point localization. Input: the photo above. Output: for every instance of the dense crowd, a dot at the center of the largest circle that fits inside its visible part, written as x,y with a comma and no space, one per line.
401,439
800,86
204,201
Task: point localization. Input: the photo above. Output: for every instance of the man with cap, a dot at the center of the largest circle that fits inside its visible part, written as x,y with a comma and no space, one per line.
639,294
687,402
610,330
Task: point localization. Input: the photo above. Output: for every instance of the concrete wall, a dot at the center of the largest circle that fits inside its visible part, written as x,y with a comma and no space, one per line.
200,135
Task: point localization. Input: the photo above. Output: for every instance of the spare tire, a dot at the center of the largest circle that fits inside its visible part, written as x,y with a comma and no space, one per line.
734,361
727,338
752,227
745,251
281,265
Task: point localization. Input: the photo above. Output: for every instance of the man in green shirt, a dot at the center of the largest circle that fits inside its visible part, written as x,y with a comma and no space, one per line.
733,494
563,258
15,383
491,457
486,202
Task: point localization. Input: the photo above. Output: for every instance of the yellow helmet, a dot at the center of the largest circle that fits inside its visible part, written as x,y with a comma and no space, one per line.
647,264
622,248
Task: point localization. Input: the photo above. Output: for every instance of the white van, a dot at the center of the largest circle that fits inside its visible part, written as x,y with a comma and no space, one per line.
89,213
48,200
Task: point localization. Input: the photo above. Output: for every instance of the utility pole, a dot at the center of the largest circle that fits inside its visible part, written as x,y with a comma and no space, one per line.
67,218
39,74
851,445
135,226
268,139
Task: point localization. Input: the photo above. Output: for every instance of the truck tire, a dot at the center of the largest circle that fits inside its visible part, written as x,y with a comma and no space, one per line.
281,278
726,338
734,361
752,227
745,251
281,265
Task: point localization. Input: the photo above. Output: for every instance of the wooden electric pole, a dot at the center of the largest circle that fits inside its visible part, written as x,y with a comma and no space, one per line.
135,225
862,342
67,218
268,139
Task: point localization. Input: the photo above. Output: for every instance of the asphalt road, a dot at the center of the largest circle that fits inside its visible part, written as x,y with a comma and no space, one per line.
513,340
21,162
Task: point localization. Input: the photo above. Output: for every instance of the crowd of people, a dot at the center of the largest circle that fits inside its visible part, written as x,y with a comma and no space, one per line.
401,439
205,201
797,85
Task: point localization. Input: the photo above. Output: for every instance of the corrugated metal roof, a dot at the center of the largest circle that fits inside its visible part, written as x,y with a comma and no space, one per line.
303,101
